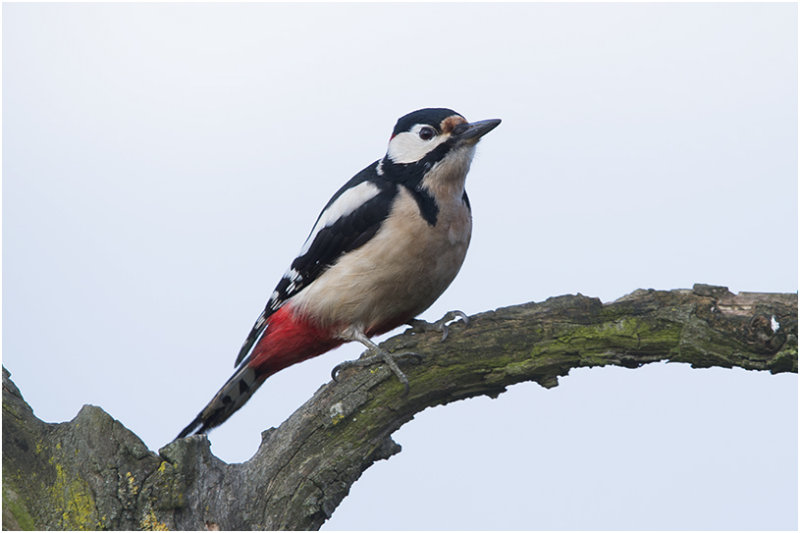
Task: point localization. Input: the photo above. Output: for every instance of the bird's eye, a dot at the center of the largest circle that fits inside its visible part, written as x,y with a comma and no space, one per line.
426,133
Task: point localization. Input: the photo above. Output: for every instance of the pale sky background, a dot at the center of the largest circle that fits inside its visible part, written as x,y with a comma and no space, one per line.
162,164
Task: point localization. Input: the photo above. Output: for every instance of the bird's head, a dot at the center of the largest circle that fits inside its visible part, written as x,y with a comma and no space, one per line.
433,134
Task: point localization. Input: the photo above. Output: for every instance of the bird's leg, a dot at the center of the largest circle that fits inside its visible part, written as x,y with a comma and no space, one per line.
381,356
440,325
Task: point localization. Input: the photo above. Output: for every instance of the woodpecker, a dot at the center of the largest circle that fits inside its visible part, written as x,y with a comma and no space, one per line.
383,249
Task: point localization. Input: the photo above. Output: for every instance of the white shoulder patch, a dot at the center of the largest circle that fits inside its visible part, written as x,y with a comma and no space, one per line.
349,201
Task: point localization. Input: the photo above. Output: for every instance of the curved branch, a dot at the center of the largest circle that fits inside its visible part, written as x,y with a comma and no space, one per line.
105,477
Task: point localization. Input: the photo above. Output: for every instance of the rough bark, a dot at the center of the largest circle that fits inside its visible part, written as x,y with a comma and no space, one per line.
93,473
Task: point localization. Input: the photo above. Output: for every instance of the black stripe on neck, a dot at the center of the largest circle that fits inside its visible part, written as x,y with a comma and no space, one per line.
410,175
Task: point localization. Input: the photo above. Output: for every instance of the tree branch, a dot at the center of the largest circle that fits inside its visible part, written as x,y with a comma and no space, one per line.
93,473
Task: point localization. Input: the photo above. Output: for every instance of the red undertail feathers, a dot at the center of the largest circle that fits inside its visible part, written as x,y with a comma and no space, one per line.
288,339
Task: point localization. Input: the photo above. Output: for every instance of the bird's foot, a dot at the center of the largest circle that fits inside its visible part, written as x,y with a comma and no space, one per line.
381,356
420,326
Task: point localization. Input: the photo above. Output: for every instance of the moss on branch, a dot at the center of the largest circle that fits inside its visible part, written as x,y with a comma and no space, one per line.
92,473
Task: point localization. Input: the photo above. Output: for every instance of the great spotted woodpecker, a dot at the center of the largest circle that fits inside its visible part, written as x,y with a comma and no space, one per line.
384,248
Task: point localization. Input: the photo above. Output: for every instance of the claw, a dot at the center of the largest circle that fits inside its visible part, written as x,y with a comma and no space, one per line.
450,317
443,324
382,356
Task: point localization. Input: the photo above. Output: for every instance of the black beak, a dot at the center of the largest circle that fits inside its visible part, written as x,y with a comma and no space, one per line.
475,130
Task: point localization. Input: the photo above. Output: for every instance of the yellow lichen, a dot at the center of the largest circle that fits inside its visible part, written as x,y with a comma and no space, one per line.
75,502
132,486
151,523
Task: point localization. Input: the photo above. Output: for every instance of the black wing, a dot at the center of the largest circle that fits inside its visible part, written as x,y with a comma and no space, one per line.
334,234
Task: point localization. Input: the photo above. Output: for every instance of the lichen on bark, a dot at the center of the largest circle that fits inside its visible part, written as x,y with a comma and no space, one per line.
92,473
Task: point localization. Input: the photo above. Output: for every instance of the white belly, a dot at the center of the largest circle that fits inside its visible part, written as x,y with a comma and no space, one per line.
400,272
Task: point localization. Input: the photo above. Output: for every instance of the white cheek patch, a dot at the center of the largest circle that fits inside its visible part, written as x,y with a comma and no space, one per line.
407,147
346,203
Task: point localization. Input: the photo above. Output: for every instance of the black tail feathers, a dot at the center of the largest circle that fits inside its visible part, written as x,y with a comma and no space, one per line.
233,395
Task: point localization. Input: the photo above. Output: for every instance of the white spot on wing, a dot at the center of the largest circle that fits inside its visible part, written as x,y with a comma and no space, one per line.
774,323
274,303
349,201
